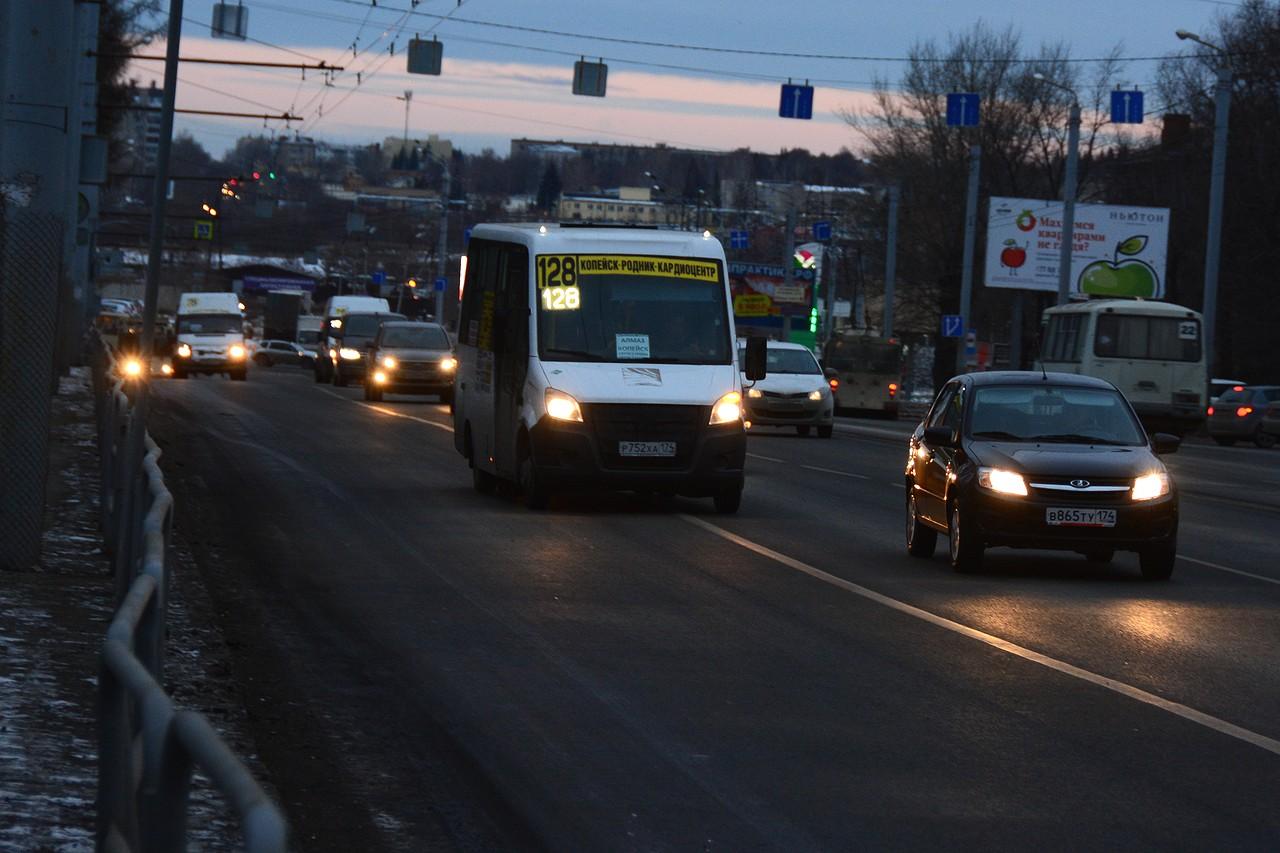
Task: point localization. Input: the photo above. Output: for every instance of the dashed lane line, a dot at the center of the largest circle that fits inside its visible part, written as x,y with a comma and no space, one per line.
1223,568
1127,690
810,467
385,411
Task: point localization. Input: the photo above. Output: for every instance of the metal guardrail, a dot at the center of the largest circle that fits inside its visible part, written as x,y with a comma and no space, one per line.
148,748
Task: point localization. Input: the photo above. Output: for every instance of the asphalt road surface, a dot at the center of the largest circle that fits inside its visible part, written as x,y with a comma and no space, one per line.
429,668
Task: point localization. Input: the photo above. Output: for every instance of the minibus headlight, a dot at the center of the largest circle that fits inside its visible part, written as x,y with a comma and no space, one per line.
390,362
755,393
380,377
236,352
448,364
184,350
1002,482
349,354
562,407
131,367
728,409
1150,486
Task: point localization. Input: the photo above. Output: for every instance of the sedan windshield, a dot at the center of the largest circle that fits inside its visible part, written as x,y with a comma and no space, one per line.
633,309
1049,413
786,361
415,337
365,325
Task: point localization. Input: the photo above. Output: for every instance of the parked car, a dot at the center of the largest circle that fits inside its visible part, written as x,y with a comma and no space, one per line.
411,358
795,393
1030,460
1238,414
272,352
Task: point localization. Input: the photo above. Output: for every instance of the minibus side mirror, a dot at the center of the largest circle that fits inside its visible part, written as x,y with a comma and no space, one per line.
757,359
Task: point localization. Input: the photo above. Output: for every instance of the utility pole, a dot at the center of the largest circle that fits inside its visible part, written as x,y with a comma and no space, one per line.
1068,191
37,68
442,248
891,259
970,237
408,99
788,260
1217,185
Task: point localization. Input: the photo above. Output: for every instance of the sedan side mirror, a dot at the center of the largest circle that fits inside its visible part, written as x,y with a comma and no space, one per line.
756,366
1163,443
940,436
831,373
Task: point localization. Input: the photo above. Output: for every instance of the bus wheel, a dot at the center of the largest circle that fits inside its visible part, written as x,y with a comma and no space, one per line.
536,495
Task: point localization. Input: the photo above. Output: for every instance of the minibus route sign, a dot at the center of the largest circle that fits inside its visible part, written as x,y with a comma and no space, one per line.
566,270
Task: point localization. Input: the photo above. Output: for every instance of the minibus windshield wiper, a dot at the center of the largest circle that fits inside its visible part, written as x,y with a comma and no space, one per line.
578,353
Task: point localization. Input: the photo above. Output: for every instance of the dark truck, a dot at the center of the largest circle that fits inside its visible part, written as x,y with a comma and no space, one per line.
280,322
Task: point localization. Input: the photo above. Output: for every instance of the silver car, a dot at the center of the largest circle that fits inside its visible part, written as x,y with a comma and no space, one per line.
795,393
410,358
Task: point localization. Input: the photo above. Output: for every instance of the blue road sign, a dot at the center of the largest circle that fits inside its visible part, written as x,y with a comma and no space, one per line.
822,231
466,236
962,109
1126,107
378,277
440,283
796,101
739,239
952,325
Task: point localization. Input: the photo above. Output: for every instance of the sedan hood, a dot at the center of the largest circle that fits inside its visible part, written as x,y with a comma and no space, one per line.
415,354
1065,460
690,384
791,383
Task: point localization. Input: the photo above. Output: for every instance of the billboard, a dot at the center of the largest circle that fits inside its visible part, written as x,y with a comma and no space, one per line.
761,292
1116,250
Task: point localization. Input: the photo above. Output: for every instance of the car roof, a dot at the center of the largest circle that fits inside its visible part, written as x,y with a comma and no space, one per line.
400,324
788,345
1123,306
602,240
1033,377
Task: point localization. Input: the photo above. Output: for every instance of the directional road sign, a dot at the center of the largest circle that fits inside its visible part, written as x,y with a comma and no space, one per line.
1126,107
739,239
466,236
796,101
952,325
378,277
204,229
440,285
962,109
822,231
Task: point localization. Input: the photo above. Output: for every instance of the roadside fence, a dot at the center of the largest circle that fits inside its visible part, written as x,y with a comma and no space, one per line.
148,749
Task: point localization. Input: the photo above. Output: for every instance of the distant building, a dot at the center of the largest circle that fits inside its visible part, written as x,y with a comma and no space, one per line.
297,154
559,149
621,206
140,129
395,146
776,197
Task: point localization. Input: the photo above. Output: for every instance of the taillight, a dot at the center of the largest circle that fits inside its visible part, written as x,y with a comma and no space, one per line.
1209,411
1237,387
893,389
834,383
1244,411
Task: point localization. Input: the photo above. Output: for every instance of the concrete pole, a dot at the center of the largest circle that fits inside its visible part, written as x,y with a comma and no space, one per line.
1015,330
970,237
36,67
1069,205
1213,241
442,248
788,259
891,259
135,448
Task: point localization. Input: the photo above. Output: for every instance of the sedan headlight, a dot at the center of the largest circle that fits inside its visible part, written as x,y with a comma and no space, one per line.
349,354
728,409
184,350
1150,486
755,393
131,367
236,352
389,362
448,364
1001,481
562,407
815,395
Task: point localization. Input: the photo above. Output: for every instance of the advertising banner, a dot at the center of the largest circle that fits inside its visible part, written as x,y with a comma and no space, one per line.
1116,250
760,291
267,283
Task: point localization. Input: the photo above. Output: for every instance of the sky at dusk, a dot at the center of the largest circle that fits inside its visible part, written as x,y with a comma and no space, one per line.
499,83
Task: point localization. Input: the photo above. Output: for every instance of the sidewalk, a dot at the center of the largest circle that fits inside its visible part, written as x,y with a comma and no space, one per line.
53,619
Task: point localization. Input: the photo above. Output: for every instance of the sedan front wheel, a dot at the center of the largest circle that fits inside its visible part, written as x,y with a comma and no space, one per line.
965,550
921,539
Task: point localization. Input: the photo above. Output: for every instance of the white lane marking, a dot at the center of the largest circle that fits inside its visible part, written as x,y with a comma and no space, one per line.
1177,709
838,473
1223,568
385,411
899,485
765,458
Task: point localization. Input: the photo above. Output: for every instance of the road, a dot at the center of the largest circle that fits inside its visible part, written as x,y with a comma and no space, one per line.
434,669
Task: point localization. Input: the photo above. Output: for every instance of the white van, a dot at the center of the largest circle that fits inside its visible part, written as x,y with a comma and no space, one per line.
334,310
210,336
1151,351
599,358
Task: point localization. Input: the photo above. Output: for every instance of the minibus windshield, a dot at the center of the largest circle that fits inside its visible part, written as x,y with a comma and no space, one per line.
614,316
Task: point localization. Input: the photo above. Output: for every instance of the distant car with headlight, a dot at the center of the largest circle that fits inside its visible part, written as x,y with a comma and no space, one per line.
1030,460
795,394
411,358
348,356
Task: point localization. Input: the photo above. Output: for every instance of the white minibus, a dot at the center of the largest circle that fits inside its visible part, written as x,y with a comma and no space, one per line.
594,357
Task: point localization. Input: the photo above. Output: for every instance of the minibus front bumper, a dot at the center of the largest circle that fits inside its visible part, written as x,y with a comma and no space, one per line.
683,454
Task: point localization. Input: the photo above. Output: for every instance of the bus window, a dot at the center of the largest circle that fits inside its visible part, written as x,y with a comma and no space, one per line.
1154,338
1063,338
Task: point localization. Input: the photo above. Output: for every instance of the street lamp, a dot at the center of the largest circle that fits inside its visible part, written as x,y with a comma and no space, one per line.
1217,181
1068,190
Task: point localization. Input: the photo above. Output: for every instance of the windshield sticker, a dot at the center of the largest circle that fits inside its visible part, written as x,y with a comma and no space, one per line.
565,270
632,346
641,376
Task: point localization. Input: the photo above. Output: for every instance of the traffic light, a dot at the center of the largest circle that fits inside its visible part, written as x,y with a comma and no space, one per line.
257,176
413,282
235,182
271,175
813,320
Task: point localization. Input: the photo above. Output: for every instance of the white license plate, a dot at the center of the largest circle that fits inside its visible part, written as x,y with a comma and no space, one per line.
1060,516
646,448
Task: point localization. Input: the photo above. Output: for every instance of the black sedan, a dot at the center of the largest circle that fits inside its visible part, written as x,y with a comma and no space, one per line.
1031,460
